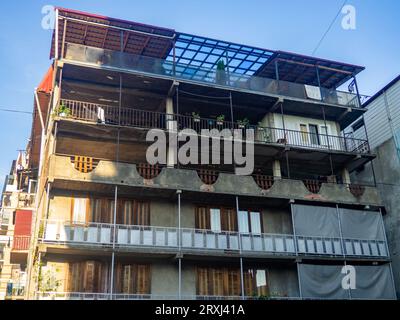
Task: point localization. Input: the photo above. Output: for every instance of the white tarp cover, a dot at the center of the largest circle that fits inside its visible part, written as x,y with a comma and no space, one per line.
358,224
315,221
325,282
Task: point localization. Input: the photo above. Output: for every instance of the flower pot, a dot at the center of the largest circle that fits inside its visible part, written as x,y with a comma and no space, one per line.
62,114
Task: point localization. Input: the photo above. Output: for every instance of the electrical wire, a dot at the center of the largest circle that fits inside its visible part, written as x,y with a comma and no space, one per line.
329,27
15,111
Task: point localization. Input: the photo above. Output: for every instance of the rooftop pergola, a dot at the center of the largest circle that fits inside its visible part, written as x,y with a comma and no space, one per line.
196,56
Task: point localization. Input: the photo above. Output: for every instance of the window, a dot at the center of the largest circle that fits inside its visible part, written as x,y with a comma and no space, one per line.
324,135
314,134
133,278
304,133
216,219
255,282
218,282
88,276
250,221
133,212
79,208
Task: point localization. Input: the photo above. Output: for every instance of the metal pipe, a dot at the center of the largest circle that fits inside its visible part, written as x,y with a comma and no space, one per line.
112,275
294,230
240,249
118,28
63,39
299,280
56,36
179,247
340,231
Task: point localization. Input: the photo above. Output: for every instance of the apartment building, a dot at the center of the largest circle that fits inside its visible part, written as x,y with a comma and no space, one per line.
382,121
109,225
17,205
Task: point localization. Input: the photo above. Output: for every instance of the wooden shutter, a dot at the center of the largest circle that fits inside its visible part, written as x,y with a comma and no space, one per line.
248,283
128,279
89,276
202,281
218,283
143,279
143,213
74,277
228,219
202,218
233,282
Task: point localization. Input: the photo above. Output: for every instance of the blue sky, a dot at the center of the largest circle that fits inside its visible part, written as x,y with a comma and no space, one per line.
291,25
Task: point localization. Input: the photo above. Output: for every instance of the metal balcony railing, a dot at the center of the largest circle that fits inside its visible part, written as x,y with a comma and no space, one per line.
21,243
167,69
149,119
135,236
150,296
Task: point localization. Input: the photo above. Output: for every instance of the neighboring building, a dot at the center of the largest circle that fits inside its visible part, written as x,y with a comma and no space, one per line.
17,205
382,121
111,226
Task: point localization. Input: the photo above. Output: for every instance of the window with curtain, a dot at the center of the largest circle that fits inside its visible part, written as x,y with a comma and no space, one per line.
218,281
216,219
79,210
250,222
88,276
133,278
255,282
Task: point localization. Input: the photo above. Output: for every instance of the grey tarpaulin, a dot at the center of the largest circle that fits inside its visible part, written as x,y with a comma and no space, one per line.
321,282
325,282
360,224
374,282
315,221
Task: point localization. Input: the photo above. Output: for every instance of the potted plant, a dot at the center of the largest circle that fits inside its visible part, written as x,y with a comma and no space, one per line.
243,123
196,117
220,119
62,110
220,75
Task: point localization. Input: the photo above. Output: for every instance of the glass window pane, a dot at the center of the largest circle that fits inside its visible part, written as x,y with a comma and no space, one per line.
215,219
243,222
255,222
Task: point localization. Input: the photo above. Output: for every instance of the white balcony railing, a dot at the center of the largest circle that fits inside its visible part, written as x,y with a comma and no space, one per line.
135,236
123,296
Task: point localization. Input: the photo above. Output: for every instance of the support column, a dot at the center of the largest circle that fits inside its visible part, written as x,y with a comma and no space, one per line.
346,176
171,128
113,242
240,251
179,246
276,169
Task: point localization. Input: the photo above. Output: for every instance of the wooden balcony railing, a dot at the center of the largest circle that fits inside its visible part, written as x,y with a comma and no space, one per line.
113,115
21,243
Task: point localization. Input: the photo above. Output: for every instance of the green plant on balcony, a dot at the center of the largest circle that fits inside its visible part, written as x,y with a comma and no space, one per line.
220,119
62,110
220,75
47,279
196,117
243,123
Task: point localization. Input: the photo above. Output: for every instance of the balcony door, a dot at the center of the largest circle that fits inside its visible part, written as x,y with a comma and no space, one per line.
250,222
218,282
133,278
216,219
88,276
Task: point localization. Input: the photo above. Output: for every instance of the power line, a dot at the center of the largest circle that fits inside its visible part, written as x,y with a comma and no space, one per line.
15,111
329,28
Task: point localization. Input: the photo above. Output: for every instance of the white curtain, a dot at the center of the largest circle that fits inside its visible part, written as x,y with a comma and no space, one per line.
255,222
215,219
79,213
243,222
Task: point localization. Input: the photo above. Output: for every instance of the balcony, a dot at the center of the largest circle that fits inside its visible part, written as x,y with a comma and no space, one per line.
21,243
135,237
167,69
122,296
130,117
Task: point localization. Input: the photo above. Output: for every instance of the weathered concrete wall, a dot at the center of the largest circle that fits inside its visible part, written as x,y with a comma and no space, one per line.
387,172
283,282
125,174
277,220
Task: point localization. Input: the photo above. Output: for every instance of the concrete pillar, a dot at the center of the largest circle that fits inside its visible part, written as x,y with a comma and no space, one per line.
172,132
346,176
276,169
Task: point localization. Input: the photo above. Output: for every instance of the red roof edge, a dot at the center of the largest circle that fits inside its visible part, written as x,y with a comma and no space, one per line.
46,85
